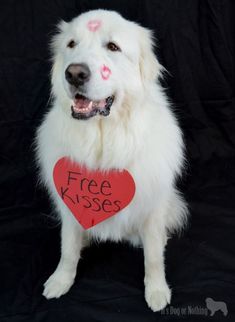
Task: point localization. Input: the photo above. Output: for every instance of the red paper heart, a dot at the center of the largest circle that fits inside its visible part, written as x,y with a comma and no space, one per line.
92,195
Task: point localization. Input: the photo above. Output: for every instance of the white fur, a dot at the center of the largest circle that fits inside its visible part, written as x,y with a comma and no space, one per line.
141,134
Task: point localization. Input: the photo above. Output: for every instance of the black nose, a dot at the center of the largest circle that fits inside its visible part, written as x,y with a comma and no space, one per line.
77,74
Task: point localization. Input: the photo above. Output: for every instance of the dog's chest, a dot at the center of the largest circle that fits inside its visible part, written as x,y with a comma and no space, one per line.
102,147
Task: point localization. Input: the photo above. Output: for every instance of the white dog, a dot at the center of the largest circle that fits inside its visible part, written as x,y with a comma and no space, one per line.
110,112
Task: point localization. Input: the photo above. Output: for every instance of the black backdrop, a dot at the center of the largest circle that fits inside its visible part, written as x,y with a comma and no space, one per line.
196,45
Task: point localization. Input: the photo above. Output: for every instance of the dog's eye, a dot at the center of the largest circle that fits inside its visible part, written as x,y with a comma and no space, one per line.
112,46
71,44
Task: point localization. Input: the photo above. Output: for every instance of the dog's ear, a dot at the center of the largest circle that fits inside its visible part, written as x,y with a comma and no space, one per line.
150,68
55,45
58,37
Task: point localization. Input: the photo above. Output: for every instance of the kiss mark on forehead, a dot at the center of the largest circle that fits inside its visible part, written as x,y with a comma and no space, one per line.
94,25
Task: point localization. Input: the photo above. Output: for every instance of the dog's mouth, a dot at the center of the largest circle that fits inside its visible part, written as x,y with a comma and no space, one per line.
83,108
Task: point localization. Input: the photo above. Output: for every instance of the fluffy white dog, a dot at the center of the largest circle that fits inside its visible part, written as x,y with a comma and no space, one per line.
110,112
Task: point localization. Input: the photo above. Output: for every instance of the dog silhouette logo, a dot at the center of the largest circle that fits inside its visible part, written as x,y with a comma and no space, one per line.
215,306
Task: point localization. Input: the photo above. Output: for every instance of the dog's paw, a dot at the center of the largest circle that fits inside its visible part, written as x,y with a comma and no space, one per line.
157,299
57,284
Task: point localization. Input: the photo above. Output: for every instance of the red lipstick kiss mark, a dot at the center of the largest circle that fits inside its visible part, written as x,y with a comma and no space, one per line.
105,72
93,25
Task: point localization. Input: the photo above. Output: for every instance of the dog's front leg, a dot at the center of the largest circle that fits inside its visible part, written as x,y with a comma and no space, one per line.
154,238
71,244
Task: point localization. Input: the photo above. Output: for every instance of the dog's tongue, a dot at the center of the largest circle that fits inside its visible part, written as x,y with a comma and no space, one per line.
84,105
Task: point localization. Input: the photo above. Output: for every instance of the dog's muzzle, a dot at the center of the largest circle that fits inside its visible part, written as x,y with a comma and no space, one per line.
77,74
83,108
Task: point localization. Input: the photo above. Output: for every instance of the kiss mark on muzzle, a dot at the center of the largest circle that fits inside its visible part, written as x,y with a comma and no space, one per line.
105,72
94,25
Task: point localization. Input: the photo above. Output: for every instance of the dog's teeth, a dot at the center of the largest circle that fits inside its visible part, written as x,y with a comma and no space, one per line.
90,105
86,106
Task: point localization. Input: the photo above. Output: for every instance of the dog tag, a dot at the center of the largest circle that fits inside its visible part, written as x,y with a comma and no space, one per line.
92,195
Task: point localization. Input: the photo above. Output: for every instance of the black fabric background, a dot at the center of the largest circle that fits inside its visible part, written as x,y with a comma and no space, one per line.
196,45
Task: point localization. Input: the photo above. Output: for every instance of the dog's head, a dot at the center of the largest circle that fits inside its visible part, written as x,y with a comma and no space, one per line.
209,301
100,63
